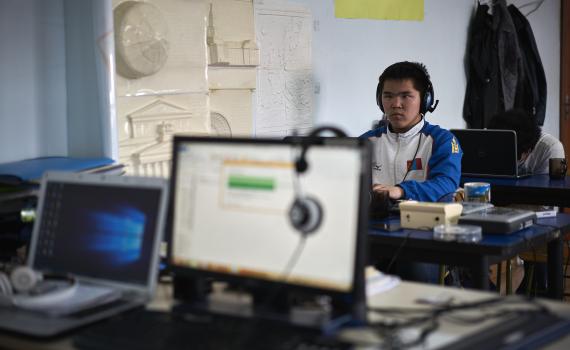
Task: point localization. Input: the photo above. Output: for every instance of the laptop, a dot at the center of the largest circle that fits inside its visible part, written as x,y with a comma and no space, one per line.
103,230
489,153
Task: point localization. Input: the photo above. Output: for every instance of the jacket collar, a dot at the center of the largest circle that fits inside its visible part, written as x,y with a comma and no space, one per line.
410,133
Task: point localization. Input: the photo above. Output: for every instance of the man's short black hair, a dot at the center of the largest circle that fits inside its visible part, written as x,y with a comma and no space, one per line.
415,71
523,123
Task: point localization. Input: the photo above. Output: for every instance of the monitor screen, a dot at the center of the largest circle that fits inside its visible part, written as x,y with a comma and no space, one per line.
99,231
231,210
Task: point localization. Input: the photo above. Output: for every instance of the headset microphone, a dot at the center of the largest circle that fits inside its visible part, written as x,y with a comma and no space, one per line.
306,213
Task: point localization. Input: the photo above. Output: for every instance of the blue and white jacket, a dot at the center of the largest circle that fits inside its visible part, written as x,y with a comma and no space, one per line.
432,155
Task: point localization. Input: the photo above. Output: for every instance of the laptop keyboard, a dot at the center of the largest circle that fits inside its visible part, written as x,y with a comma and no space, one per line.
157,330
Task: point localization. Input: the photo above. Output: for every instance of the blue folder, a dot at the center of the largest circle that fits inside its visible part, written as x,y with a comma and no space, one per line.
31,170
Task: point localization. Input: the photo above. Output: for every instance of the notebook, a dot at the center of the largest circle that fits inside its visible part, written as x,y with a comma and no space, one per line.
488,153
106,232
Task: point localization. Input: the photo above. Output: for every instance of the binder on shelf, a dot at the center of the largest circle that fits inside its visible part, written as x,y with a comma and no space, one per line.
31,170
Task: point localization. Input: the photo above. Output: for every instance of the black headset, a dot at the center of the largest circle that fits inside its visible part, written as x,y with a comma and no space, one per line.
428,104
306,213
301,163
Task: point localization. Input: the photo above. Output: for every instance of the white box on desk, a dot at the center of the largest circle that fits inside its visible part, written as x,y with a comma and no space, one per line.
426,215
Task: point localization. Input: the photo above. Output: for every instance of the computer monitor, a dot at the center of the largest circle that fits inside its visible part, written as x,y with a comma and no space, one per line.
233,219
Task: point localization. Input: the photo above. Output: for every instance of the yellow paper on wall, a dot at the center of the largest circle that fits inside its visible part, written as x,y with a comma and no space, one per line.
408,10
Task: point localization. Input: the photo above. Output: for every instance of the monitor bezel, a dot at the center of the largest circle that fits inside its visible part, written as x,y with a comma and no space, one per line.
357,293
103,180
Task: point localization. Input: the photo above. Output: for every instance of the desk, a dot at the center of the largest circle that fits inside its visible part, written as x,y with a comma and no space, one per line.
417,245
406,294
536,189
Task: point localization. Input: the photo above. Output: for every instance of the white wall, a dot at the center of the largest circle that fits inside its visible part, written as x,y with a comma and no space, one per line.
32,79
350,54
55,90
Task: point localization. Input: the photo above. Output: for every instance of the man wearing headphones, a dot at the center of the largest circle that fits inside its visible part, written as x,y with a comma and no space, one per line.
412,159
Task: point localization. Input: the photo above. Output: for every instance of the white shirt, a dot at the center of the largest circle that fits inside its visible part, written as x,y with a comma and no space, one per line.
547,147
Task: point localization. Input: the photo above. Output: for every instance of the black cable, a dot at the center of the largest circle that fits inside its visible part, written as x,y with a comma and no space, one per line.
468,320
463,306
395,256
439,309
388,329
423,334
284,275
294,258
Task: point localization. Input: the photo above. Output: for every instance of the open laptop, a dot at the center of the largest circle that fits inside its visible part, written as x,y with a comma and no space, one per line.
106,232
488,153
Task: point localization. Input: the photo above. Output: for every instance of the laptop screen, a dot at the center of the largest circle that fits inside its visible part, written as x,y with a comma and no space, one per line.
232,200
488,152
98,227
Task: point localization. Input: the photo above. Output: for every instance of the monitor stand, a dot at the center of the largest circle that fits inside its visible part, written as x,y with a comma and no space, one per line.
274,303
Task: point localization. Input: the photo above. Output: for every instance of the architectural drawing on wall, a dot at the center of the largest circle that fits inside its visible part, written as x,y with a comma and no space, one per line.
227,52
149,134
161,81
141,39
285,84
199,74
219,125
232,60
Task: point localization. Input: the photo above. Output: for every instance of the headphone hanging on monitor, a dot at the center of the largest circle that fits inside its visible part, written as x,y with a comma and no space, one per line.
428,103
306,213
301,164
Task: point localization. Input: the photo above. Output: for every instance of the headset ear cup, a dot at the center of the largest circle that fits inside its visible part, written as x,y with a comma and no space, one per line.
305,215
428,100
379,98
24,278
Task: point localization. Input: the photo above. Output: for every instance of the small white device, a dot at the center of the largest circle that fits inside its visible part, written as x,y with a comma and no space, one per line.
426,215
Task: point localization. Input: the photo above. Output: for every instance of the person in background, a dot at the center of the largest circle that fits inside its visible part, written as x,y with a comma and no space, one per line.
534,147
412,159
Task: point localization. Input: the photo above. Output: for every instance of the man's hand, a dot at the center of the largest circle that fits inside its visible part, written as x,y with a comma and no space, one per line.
394,192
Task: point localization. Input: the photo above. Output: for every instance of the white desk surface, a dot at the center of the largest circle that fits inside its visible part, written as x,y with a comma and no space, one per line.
406,294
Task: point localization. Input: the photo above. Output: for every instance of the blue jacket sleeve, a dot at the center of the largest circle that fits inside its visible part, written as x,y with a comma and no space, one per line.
444,171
